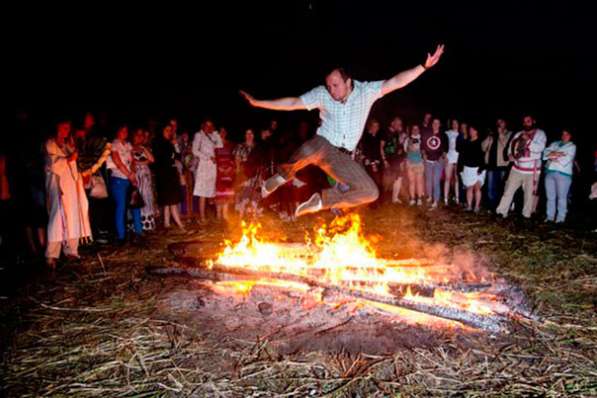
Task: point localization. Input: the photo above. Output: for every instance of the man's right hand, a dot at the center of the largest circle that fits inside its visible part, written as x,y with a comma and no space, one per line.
248,97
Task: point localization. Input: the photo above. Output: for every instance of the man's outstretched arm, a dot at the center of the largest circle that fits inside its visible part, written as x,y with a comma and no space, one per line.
280,104
404,78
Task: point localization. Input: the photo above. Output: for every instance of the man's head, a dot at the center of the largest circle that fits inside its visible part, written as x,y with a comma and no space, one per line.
528,123
338,84
208,126
396,124
373,126
427,119
501,124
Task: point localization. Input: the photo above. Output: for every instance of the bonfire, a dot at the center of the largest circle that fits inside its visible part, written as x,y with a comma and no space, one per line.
337,262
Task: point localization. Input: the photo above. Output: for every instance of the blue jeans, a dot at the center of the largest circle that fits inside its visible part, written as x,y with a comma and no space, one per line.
433,176
556,188
496,180
119,188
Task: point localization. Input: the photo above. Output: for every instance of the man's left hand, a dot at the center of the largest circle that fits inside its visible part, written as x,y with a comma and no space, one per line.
433,59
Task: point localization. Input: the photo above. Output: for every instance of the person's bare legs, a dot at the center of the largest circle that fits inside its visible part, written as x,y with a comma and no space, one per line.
176,216
448,181
456,186
412,185
31,240
477,188
420,185
202,209
469,197
396,190
225,211
167,216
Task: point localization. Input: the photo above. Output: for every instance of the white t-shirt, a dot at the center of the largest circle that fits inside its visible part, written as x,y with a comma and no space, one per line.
452,153
125,151
342,124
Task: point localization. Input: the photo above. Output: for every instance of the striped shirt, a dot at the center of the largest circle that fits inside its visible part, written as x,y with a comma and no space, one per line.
530,161
342,124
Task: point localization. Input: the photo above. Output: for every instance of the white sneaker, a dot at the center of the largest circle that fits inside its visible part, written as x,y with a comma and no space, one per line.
433,206
419,202
313,205
271,184
412,202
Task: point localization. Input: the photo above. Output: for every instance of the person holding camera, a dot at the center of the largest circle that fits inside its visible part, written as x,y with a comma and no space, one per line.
122,179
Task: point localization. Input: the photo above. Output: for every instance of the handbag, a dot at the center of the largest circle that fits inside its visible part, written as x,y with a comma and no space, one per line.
135,200
98,187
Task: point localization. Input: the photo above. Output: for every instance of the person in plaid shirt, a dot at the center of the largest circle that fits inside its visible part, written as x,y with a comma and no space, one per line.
344,106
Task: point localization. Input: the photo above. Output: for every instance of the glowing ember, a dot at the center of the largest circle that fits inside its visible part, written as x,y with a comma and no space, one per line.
340,255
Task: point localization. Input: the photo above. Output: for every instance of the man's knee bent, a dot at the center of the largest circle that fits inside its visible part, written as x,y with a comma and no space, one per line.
369,192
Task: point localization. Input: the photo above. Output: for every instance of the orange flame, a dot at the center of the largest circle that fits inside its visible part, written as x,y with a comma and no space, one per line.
340,255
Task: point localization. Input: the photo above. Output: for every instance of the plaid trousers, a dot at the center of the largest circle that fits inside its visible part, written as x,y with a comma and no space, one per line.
340,166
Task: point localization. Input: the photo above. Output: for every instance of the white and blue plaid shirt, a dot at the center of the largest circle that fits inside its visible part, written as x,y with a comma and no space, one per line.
342,124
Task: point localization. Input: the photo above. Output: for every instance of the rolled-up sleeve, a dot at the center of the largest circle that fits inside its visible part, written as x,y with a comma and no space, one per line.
314,98
373,90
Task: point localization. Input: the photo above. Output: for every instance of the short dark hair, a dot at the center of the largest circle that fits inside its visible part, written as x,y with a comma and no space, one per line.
342,70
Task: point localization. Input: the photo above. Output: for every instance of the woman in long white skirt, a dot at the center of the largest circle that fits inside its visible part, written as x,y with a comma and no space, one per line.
205,143
67,203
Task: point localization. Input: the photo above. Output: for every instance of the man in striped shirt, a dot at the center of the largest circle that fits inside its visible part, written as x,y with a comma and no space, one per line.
526,148
344,106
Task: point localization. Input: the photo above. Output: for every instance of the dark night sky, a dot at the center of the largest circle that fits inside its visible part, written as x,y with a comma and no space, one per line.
501,58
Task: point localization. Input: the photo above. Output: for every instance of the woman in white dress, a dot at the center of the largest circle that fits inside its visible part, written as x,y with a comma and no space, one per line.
67,203
205,143
451,177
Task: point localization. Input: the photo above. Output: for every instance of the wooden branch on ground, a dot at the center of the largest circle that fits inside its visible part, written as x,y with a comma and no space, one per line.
217,272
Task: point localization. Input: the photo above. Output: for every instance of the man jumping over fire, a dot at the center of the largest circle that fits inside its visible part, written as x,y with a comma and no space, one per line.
344,106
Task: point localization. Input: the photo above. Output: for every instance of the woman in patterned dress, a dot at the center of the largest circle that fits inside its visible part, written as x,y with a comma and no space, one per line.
226,171
143,158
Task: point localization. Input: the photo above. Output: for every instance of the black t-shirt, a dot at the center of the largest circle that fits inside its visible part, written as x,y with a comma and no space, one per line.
472,154
434,145
370,145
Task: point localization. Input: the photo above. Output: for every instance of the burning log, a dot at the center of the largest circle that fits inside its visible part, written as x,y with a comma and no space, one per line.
423,289
491,322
